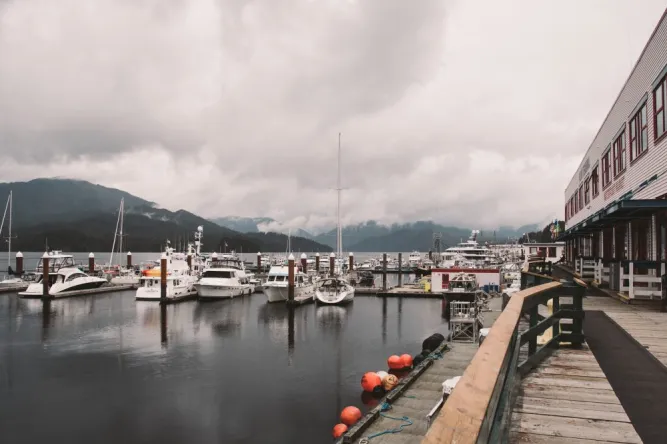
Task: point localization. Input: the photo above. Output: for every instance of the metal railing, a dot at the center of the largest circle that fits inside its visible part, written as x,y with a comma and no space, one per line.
480,408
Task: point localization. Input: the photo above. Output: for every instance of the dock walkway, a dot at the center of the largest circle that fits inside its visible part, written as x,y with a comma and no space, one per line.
418,400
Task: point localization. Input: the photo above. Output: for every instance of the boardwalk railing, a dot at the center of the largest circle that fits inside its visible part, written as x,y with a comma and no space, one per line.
480,408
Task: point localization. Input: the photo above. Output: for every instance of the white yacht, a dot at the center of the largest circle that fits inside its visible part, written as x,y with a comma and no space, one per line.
180,281
414,259
336,289
275,286
64,277
225,277
471,250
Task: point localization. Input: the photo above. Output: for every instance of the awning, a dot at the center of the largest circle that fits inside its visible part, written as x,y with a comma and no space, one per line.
619,211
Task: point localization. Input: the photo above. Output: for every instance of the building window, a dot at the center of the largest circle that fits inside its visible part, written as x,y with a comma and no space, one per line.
581,197
573,210
606,170
638,134
619,154
594,182
552,251
587,191
533,250
659,98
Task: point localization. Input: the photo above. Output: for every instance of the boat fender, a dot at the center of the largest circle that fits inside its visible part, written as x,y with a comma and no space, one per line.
370,382
395,362
433,341
350,415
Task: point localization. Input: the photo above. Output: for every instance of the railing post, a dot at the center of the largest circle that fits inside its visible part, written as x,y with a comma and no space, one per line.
578,322
532,343
555,305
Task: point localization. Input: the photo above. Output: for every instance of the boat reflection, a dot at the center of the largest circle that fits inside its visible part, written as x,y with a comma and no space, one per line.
332,315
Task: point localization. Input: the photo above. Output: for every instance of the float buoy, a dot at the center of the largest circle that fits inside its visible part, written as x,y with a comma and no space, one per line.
350,415
382,374
419,359
338,430
389,382
407,360
370,382
433,341
395,362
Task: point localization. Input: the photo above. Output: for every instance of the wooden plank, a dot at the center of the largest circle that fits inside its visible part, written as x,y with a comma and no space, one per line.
568,428
566,393
464,411
531,438
579,382
570,409
569,371
580,364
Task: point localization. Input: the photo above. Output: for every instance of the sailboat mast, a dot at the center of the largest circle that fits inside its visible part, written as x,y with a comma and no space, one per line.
115,233
122,217
339,240
9,248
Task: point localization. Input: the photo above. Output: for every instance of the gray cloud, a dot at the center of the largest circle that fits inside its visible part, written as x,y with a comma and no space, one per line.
453,111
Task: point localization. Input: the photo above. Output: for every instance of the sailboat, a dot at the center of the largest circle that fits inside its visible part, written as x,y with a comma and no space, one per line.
10,281
121,275
336,289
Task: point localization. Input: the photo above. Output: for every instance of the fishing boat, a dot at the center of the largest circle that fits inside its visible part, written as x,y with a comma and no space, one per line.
336,289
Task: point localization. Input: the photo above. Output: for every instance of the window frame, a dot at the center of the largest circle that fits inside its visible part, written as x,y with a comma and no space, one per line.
619,148
638,149
595,181
605,160
587,190
662,85
581,196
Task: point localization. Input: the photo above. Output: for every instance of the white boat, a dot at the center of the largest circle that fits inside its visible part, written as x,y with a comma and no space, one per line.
180,281
11,280
471,250
414,259
225,277
64,277
275,286
336,289
120,274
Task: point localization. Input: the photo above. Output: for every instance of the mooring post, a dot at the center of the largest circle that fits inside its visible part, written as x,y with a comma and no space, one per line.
350,265
19,263
189,260
290,279
332,264
430,255
384,271
304,263
91,263
317,263
129,259
259,262
163,278
400,269
45,275
163,323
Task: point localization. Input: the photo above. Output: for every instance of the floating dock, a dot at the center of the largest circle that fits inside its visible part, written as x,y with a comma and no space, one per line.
13,289
69,294
409,292
301,301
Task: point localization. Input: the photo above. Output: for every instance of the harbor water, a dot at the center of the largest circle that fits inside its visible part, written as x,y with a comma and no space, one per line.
105,368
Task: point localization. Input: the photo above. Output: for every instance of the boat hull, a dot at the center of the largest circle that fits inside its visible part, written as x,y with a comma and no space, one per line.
279,294
332,298
220,292
62,289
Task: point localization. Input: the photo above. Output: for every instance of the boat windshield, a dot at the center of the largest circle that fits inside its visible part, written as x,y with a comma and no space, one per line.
223,274
277,278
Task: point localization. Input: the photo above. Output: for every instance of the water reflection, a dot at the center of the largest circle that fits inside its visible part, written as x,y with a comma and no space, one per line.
329,316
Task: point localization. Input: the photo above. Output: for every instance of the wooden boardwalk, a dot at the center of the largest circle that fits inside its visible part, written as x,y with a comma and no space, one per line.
568,399
425,392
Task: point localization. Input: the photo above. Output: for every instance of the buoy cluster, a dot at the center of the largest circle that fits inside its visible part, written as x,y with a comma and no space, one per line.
376,384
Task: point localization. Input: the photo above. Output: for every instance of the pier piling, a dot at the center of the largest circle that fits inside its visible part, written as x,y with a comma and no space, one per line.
350,265
91,263
304,263
290,279
332,264
400,269
19,263
163,278
317,263
189,260
384,271
129,259
45,275
259,262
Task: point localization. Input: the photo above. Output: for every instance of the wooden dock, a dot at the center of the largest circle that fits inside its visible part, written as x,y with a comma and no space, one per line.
568,399
409,291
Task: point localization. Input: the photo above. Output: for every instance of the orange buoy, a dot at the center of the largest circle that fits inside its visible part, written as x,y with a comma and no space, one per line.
370,381
389,382
338,430
350,415
395,362
407,360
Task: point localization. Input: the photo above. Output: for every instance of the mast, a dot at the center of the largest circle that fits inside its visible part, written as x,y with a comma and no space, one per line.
9,233
122,221
339,235
115,233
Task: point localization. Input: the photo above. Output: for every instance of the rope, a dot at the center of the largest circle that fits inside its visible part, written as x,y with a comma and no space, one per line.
383,408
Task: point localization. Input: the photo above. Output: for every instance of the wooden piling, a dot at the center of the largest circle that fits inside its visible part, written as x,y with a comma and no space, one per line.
163,278
384,271
290,279
400,269
189,260
304,263
332,264
430,255
163,323
91,263
259,262
45,275
317,263
129,259
350,264
19,263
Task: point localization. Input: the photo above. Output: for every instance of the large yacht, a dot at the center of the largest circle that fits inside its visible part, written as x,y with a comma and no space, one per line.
224,277
180,280
64,277
469,250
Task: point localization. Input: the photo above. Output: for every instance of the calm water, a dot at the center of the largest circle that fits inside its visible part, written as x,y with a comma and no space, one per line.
107,369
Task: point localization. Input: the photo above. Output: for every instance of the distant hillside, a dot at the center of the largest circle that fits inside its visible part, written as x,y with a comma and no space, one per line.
241,224
278,242
76,215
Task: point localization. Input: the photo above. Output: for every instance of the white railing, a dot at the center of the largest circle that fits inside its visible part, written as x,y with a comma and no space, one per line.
649,288
585,268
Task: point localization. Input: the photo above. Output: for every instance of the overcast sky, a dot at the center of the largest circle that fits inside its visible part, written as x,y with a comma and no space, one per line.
467,112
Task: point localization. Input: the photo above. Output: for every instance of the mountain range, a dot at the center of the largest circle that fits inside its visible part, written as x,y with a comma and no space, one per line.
78,216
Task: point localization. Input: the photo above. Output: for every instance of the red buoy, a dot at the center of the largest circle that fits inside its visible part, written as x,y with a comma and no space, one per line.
338,430
370,381
395,362
407,360
350,415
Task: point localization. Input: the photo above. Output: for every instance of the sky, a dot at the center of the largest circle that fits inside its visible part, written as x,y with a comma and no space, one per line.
464,112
